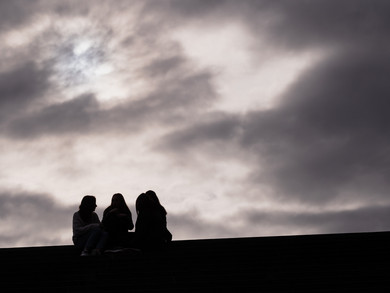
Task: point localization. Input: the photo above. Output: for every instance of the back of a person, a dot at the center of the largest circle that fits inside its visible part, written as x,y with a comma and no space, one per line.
117,222
150,229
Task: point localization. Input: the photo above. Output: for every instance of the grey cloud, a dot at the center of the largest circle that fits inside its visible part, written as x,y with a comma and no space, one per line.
188,9
296,23
20,87
15,12
195,8
174,102
217,128
73,116
179,89
328,138
331,132
369,218
32,219
323,23
168,105
178,97
191,225
162,67
292,24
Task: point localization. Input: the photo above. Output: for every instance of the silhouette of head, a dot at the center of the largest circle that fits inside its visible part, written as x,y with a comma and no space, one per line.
152,196
118,201
88,204
143,203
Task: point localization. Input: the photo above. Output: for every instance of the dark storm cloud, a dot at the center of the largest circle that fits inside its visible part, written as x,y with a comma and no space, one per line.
73,116
322,23
331,133
32,218
20,87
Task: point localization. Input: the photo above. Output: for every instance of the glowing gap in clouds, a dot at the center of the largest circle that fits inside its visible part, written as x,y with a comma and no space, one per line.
80,64
85,61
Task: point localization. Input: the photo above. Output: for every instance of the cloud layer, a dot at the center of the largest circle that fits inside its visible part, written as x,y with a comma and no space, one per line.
111,98
35,219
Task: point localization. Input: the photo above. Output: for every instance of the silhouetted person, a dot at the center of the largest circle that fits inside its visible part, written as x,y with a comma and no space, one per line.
88,235
117,221
151,231
153,196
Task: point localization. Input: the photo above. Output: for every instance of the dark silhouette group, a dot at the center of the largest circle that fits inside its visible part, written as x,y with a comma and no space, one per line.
93,237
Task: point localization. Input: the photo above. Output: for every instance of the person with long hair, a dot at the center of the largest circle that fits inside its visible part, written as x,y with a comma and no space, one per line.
153,196
117,221
151,231
87,233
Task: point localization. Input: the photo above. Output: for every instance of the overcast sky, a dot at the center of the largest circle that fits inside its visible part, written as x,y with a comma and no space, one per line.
248,118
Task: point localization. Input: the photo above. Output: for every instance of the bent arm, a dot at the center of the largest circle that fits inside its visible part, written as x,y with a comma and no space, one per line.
79,227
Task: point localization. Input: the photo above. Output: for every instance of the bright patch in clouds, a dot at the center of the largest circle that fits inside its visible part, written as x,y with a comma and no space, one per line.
249,75
81,47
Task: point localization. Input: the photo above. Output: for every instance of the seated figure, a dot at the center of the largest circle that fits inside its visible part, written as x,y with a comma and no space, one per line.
151,231
88,235
117,221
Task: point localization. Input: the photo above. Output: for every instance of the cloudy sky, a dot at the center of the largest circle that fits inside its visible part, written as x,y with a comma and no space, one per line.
248,118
